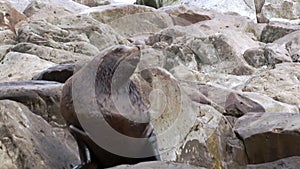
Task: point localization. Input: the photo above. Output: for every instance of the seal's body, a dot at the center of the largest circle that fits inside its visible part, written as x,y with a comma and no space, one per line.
113,71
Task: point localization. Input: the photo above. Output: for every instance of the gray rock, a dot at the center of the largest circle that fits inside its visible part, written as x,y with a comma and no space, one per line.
238,105
59,73
287,9
7,37
19,66
9,16
269,136
93,3
292,44
280,83
270,55
50,54
187,130
41,97
286,163
158,165
28,141
274,31
185,15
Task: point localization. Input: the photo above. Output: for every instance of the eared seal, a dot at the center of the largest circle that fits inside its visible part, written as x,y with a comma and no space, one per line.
109,74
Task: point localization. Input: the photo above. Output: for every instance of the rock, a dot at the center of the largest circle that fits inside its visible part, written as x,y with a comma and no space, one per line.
287,9
280,83
4,49
9,16
269,104
291,42
19,66
79,34
109,13
241,7
185,15
151,3
7,37
269,136
238,105
131,20
93,3
59,73
157,165
38,10
274,31
270,55
289,162
50,54
182,123
28,141
41,97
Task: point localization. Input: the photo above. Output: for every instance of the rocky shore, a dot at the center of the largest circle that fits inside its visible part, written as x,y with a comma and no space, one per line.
221,78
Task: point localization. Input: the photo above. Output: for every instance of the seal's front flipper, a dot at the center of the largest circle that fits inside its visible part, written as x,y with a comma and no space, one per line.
84,151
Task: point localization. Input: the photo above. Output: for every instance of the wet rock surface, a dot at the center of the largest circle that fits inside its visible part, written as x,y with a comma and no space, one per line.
220,79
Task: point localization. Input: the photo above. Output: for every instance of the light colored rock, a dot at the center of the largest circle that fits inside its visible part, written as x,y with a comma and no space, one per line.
109,13
242,7
287,9
69,30
269,136
28,141
93,3
4,49
131,20
158,165
7,37
292,43
269,104
187,131
185,15
281,83
55,55
18,66
9,16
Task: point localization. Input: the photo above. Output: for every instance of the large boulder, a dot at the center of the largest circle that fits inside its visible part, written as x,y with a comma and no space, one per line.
281,83
289,162
131,20
292,44
19,66
269,136
9,16
41,97
188,129
28,141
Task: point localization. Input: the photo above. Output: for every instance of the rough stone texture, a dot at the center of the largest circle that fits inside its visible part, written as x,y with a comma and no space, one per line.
238,105
274,31
28,141
93,3
158,165
19,66
269,136
59,73
291,42
281,83
286,9
286,163
41,97
7,37
51,54
9,16
109,13
131,20
269,104
182,124
269,55
185,15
